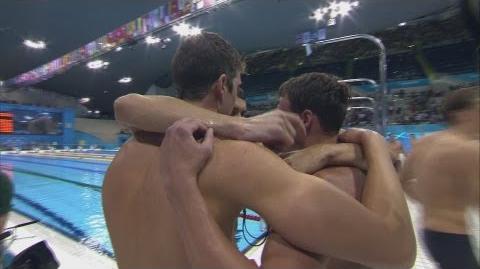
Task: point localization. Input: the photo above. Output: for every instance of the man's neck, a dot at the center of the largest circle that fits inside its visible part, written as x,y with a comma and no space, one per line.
206,104
320,139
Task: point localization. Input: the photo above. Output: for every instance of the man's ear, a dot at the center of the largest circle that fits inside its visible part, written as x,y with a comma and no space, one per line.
220,87
307,118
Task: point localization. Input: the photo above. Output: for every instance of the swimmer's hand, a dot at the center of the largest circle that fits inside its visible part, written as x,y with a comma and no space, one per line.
363,137
316,157
276,129
187,146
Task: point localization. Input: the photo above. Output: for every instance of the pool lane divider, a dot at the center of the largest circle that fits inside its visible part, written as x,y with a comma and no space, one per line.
56,165
69,158
32,173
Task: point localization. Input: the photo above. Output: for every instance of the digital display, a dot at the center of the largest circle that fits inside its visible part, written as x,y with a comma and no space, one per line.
6,123
26,122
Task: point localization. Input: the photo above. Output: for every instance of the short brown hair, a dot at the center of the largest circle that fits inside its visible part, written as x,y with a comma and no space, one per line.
199,61
322,94
458,100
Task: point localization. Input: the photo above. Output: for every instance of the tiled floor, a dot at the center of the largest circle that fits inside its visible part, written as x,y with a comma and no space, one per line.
70,254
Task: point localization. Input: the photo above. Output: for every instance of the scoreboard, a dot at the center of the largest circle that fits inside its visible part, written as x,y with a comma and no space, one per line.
6,123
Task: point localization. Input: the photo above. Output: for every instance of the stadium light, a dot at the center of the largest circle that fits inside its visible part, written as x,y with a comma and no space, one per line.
152,40
125,80
97,64
84,100
34,44
184,29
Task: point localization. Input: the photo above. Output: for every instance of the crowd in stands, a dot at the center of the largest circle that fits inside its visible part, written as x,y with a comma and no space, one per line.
422,105
442,44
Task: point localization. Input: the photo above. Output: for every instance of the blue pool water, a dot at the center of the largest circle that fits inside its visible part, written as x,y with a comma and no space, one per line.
65,194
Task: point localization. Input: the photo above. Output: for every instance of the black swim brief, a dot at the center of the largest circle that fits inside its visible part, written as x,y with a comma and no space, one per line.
450,251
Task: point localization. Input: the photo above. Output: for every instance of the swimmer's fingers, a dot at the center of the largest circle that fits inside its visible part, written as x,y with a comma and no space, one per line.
208,141
296,127
187,128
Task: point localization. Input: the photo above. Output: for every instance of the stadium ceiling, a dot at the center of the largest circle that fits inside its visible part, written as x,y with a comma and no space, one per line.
251,25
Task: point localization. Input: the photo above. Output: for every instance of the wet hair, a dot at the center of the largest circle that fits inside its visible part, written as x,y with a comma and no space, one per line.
199,61
459,100
321,93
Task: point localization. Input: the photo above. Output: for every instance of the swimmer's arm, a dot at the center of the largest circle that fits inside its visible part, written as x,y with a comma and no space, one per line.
315,158
157,113
308,212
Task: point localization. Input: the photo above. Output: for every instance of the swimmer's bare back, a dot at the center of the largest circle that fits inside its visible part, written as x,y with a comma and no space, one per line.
280,254
442,174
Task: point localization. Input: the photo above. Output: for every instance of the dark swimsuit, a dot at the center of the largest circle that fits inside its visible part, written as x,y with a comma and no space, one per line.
450,251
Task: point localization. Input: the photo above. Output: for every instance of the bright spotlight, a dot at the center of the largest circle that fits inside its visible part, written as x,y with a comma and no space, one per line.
84,100
184,29
34,44
97,112
344,8
118,49
318,14
332,22
125,80
95,64
402,24
152,40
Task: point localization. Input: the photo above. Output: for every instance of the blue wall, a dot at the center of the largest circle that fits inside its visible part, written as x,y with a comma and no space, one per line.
90,139
68,136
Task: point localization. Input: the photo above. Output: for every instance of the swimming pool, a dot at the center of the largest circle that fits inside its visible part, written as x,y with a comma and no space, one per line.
64,193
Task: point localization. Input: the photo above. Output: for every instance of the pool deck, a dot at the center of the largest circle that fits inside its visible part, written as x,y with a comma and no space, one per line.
70,254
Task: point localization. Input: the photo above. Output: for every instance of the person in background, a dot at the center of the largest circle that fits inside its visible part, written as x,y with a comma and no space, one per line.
442,174
6,192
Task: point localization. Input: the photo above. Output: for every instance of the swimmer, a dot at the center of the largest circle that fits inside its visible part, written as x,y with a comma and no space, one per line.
6,191
242,174
442,174
323,113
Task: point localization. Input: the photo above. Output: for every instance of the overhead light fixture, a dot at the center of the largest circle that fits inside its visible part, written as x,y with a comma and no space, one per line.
402,24
89,112
107,46
125,80
332,22
334,9
84,100
152,40
184,29
97,64
97,112
34,44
